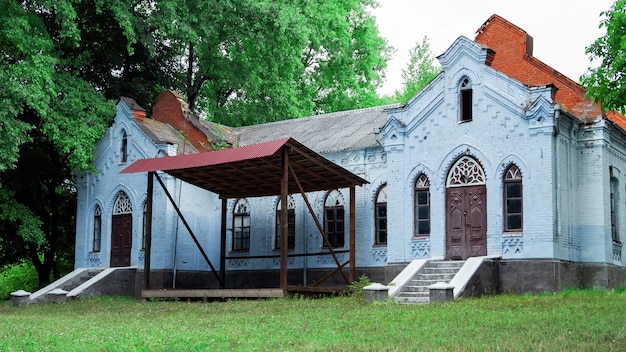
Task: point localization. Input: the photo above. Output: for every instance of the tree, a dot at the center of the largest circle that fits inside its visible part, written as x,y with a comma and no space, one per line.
49,125
256,61
607,83
420,70
64,62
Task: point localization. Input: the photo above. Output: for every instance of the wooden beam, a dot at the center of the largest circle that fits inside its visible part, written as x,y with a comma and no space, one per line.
148,244
352,273
214,293
284,192
319,225
193,236
223,243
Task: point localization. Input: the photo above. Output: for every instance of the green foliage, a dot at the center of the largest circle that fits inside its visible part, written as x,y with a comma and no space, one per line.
356,287
607,82
420,70
22,276
576,321
259,61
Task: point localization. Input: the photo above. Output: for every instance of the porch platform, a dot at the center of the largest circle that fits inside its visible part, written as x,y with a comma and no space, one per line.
213,293
307,291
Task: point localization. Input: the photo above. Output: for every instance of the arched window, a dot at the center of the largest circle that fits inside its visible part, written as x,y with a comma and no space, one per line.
291,224
241,226
422,206
513,199
380,218
122,204
124,148
465,101
614,209
334,218
97,230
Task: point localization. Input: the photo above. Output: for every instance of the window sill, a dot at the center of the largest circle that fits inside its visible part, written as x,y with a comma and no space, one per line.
379,245
94,252
512,233
420,237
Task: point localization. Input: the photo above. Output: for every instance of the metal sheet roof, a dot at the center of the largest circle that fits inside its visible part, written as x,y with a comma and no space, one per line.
346,130
252,171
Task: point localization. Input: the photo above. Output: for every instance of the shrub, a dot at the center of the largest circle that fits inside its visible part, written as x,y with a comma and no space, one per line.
22,276
356,288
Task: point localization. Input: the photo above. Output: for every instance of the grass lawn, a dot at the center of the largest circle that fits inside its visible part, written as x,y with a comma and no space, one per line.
569,321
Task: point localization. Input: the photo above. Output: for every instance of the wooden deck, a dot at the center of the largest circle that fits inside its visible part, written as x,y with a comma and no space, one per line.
253,293
213,293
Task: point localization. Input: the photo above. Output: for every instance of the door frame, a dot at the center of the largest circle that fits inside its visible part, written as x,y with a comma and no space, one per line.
466,196
121,231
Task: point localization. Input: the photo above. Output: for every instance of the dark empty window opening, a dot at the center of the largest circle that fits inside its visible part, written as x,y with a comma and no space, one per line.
466,101
124,148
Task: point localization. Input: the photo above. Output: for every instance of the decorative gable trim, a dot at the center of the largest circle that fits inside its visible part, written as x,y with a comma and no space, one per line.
464,48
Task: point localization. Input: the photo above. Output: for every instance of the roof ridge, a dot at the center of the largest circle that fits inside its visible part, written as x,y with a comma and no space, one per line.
330,114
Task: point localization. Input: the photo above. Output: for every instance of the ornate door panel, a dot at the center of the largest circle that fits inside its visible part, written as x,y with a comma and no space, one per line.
121,231
466,222
121,240
466,210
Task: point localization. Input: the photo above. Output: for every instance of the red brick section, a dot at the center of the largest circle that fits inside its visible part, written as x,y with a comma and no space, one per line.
170,108
513,56
139,114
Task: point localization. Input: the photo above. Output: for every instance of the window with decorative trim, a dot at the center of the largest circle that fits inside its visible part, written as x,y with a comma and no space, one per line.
422,206
513,199
241,226
122,204
614,209
97,230
291,224
334,218
380,217
465,101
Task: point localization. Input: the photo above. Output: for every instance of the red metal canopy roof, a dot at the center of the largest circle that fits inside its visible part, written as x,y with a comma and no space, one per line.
252,171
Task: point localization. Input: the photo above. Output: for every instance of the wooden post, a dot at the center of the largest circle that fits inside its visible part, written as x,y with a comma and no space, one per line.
284,191
223,244
352,275
148,245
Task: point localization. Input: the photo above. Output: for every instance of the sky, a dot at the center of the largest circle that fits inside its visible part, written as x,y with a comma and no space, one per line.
561,29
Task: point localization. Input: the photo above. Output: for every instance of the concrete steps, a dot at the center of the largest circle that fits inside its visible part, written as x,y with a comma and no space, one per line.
416,290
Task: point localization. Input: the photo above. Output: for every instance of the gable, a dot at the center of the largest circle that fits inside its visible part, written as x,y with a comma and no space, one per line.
513,56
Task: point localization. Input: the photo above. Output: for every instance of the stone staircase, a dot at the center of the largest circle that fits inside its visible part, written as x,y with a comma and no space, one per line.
77,281
67,284
416,290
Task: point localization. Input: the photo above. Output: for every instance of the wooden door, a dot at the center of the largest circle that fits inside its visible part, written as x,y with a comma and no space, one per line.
121,239
466,222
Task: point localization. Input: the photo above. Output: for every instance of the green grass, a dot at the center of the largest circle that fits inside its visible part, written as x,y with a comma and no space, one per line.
569,321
